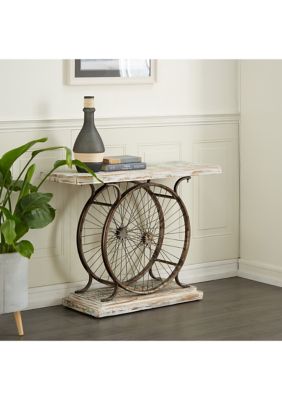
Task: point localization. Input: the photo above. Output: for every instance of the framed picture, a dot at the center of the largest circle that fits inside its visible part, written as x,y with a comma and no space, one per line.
111,71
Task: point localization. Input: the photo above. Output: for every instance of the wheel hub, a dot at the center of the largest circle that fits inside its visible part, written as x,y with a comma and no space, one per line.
147,238
121,233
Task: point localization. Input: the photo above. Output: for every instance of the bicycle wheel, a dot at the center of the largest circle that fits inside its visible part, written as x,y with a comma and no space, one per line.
146,238
132,239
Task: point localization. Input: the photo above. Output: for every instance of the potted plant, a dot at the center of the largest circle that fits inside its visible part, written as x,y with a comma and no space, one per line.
23,207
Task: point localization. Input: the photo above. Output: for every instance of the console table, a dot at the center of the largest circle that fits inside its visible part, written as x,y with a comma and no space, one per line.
133,236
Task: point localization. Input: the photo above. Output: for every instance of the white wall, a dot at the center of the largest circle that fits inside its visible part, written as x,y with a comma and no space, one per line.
35,89
190,113
261,170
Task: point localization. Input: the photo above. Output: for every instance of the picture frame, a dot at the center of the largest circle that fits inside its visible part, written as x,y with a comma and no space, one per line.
110,72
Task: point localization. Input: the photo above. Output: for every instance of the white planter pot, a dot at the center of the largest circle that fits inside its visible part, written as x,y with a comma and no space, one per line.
13,282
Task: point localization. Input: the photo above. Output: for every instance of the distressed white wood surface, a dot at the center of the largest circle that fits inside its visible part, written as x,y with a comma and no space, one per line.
125,302
153,171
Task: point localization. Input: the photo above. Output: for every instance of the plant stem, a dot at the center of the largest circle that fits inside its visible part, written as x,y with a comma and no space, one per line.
10,204
8,192
46,176
2,187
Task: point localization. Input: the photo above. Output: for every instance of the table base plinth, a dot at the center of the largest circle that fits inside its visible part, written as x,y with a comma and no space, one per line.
125,302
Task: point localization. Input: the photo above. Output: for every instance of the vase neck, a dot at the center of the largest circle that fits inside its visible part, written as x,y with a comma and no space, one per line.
89,116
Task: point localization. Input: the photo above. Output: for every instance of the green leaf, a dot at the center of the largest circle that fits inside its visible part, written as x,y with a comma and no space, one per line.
8,230
11,156
59,163
25,248
26,182
6,212
32,201
34,210
39,217
77,163
5,181
16,186
68,159
21,227
80,164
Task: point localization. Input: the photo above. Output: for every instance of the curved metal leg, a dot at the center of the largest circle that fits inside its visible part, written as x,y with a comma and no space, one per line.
153,276
112,296
89,283
177,183
183,285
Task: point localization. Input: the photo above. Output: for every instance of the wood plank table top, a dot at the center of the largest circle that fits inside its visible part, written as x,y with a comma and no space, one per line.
153,171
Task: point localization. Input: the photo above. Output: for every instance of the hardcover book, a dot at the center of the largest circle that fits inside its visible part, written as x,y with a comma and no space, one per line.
123,166
121,159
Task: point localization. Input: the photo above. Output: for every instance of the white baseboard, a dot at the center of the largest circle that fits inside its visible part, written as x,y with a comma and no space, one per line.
260,272
209,271
52,295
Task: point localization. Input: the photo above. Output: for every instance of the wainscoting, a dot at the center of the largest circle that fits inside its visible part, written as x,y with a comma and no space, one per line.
212,201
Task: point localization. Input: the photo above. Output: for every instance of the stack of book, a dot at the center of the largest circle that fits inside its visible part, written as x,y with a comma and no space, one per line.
122,163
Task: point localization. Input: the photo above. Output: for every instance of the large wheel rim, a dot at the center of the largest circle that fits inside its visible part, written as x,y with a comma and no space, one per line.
126,238
160,264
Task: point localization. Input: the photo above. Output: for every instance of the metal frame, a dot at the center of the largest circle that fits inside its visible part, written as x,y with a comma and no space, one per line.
156,195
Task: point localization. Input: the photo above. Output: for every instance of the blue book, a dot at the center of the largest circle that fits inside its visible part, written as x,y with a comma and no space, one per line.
123,167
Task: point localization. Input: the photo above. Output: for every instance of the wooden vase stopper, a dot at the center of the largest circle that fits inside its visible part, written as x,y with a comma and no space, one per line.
88,101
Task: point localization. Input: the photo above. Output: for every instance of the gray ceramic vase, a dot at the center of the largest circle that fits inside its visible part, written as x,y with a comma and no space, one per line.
89,147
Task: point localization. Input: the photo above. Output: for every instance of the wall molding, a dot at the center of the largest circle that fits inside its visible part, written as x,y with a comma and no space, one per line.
260,272
51,295
121,122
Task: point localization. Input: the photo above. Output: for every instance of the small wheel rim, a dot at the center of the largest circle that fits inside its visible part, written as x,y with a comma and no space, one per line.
90,230
177,235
